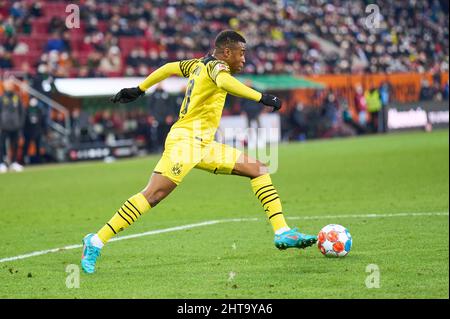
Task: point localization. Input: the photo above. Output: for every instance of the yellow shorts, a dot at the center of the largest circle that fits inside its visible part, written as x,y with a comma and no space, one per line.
182,153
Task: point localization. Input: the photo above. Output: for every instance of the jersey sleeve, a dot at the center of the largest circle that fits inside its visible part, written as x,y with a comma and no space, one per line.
187,66
233,86
160,74
215,67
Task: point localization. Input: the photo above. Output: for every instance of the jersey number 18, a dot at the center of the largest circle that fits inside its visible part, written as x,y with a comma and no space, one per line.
187,99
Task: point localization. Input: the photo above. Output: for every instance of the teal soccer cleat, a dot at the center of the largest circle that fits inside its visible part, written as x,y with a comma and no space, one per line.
293,239
90,255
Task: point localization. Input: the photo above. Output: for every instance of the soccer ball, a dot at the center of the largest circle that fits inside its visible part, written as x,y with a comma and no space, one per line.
334,241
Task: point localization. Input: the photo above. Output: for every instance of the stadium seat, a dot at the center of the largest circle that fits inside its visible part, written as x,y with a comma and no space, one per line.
114,74
102,26
75,39
54,9
81,57
35,43
127,44
19,59
40,25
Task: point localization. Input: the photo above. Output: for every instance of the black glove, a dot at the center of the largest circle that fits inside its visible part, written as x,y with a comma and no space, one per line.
271,100
127,95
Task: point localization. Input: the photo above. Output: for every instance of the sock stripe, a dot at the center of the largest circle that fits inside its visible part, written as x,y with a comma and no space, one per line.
262,200
123,218
270,200
272,189
130,210
256,193
134,207
275,214
123,210
111,228
267,194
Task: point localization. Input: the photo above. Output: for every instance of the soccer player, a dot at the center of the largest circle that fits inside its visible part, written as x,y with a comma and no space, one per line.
190,144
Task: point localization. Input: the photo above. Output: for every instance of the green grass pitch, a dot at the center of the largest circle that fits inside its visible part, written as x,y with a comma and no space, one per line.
403,176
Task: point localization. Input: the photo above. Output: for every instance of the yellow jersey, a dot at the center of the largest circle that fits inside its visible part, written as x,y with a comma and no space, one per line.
209,81
203,103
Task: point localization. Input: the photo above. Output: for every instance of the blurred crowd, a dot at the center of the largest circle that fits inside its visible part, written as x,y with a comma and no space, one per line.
25,134
334,117
133,38
130,38
148,126
25,129
410,35
19,124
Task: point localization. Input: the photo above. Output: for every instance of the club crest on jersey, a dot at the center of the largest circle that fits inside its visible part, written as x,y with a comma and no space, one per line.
176,169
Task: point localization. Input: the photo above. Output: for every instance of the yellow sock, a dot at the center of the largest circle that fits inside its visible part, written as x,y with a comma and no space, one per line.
266,193
130,211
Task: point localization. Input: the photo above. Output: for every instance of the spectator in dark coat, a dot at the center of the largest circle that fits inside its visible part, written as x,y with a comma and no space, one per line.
11,124
159,105
252,109
34,128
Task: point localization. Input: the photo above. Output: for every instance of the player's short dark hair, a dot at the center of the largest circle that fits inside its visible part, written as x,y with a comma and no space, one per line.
228,38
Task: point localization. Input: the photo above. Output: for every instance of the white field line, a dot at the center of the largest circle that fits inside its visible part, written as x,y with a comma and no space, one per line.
219,221
371,215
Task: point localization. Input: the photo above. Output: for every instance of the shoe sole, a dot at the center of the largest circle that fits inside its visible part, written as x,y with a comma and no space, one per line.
303,244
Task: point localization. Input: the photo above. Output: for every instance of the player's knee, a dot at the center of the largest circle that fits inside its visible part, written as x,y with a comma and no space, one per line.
252,169
257,169
262,169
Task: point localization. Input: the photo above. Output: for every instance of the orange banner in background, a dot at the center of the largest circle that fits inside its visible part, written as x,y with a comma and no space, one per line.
404,87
